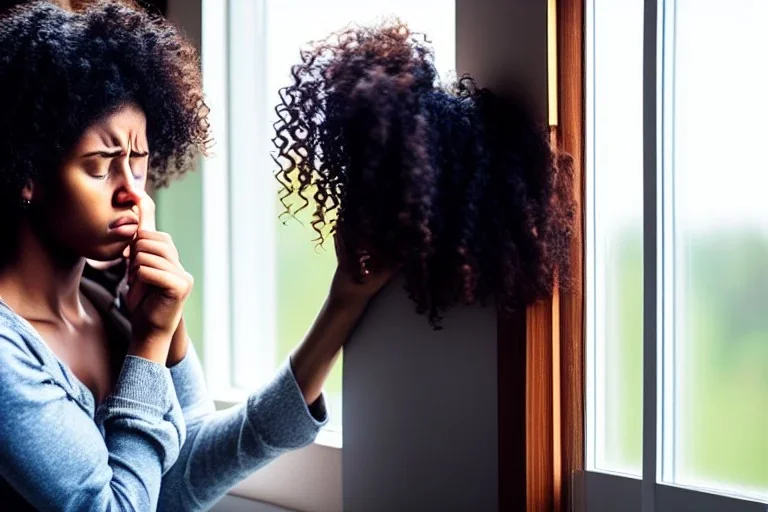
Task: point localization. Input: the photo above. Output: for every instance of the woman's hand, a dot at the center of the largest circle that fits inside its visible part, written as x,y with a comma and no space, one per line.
159,285
356,280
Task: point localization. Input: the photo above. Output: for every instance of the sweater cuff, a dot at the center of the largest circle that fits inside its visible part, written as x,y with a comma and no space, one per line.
189,382
146,384
284,419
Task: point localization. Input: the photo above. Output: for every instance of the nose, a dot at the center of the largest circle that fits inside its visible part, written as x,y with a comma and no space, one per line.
128,189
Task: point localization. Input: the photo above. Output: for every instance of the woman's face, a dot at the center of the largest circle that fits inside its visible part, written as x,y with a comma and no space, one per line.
90,209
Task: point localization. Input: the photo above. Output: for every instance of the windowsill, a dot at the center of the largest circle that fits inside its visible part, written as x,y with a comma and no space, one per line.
305,479
622,473
718,489
610,491
329,438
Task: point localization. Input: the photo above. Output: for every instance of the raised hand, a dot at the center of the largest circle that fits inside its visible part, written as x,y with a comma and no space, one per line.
357,279
158,287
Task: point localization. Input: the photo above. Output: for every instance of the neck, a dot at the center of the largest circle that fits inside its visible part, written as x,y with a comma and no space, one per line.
40,284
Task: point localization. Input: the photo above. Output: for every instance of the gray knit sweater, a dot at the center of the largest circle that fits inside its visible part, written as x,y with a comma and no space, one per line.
156,443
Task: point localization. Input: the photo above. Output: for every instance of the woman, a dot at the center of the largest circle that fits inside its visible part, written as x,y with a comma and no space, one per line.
97,415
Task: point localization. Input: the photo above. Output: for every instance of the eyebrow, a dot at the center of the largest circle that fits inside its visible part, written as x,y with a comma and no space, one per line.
112,153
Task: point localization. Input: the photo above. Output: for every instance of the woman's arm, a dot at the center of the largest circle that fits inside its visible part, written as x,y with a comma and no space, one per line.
314,358
225,447
179,345
354,284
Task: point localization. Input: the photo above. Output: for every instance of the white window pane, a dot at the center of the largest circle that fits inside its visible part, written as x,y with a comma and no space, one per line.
302,272
717,275
614,154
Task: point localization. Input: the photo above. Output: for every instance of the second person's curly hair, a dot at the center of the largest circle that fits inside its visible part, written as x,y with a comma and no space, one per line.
455,185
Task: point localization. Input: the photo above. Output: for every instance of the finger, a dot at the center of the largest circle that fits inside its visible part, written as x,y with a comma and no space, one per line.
132,297
154,261
167,251
341,249
172,284
159,236
163,238
146,213
146,208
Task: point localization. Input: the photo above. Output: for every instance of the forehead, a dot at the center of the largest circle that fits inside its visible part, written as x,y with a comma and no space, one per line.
126,124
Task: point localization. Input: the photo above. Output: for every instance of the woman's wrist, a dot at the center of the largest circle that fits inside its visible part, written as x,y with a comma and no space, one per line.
152,348
347,303
313,359
179,345
346,293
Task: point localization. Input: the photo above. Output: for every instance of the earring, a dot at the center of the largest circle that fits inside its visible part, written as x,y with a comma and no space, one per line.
25,203
365,269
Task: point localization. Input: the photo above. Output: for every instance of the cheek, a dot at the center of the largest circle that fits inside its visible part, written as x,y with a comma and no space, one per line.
83,206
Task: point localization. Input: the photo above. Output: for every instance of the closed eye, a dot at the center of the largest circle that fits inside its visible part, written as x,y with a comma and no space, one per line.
116,154
105,154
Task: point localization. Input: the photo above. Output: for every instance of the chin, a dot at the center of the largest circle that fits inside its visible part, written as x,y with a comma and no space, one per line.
108,252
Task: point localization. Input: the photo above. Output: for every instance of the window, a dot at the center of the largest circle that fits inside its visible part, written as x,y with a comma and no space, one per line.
717,268
615,249
259,283
267,278
677,253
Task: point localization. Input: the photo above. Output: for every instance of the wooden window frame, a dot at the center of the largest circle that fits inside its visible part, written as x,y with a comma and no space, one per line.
541,352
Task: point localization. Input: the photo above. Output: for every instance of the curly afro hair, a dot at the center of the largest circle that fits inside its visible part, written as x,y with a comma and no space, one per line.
61,70
456,186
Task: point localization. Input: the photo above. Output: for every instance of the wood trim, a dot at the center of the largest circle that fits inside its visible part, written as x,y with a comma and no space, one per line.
557,427
540,351
554,383
571,135
538,408
512,411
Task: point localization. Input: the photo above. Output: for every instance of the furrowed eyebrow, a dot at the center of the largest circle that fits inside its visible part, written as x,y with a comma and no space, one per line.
112,153
106,153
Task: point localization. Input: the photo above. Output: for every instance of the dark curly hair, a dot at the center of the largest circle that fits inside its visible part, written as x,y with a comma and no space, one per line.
452,183
61,70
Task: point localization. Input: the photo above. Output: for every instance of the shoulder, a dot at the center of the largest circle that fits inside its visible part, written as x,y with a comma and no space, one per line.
12,331
17,356
29,381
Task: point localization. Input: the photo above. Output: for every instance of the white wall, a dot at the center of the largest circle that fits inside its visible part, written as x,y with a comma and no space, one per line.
420,410
503,43
235,504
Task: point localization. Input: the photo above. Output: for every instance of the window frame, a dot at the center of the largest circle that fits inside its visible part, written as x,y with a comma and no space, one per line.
227,29
602,490
570,129
536,387
309,478
315,469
